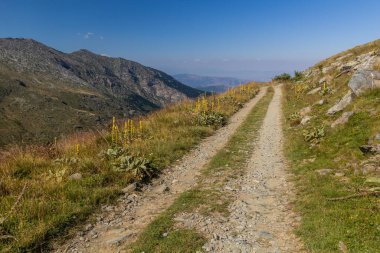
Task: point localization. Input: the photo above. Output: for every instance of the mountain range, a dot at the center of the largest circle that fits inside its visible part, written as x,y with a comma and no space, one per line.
45,93
209,83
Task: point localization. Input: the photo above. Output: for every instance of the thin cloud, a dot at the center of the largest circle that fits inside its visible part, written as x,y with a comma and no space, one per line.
101,37
87,35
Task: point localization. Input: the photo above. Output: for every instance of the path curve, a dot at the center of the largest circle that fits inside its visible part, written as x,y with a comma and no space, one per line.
117,226
261,218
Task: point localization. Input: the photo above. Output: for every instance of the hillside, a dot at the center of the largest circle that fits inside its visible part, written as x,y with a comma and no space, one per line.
209,83
333,143
45,93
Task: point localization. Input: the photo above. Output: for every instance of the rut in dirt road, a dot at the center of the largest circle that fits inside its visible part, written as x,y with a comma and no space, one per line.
261,219
117,226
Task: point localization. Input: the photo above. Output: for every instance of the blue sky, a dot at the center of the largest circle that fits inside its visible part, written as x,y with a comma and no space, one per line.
242,38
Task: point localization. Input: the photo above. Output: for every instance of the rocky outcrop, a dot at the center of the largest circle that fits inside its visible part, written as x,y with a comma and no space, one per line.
342,103
363,80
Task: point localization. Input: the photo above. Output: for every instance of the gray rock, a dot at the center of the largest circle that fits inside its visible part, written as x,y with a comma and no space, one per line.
321,102
363,80
324,172
349,65
343,103
342,119
370,149
130,188
313,91
305,120
75,176
304,111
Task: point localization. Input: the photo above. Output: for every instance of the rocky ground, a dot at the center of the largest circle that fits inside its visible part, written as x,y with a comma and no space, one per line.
117,226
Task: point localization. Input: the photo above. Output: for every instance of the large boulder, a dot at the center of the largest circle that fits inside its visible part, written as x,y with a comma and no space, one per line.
343,103
363,80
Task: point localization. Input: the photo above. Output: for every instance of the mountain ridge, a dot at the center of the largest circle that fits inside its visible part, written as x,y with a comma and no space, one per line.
209,83
45,92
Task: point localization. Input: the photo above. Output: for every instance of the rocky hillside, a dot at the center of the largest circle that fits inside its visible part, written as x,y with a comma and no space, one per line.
333,131
45,93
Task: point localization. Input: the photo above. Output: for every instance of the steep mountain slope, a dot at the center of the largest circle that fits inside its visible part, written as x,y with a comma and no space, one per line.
333,131
209,83
45,93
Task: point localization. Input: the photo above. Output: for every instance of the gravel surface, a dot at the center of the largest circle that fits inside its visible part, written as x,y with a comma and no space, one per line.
261,218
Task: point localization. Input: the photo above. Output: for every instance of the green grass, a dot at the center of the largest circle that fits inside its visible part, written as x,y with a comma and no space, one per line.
356,221
206,198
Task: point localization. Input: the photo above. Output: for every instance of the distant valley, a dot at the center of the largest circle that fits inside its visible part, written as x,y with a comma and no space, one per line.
209,83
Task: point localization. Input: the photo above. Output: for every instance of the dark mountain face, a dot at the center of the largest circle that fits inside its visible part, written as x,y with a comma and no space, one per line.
45,93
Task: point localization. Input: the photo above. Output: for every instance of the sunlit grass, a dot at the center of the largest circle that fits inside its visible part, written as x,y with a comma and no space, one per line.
325,223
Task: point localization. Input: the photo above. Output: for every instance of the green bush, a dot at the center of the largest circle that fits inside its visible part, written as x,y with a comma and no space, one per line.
297,76
287,77
282,77
314,135
140,167
213,119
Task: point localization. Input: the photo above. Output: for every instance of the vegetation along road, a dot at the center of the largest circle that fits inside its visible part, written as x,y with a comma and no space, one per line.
230,194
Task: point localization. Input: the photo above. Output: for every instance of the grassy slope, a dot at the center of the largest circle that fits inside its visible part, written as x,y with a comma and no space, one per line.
206,197
356,221
51,202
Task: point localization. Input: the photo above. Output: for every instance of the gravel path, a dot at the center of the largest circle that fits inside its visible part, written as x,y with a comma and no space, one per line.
261,219
117,226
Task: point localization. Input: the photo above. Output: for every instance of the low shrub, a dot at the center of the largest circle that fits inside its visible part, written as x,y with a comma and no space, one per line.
213,119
